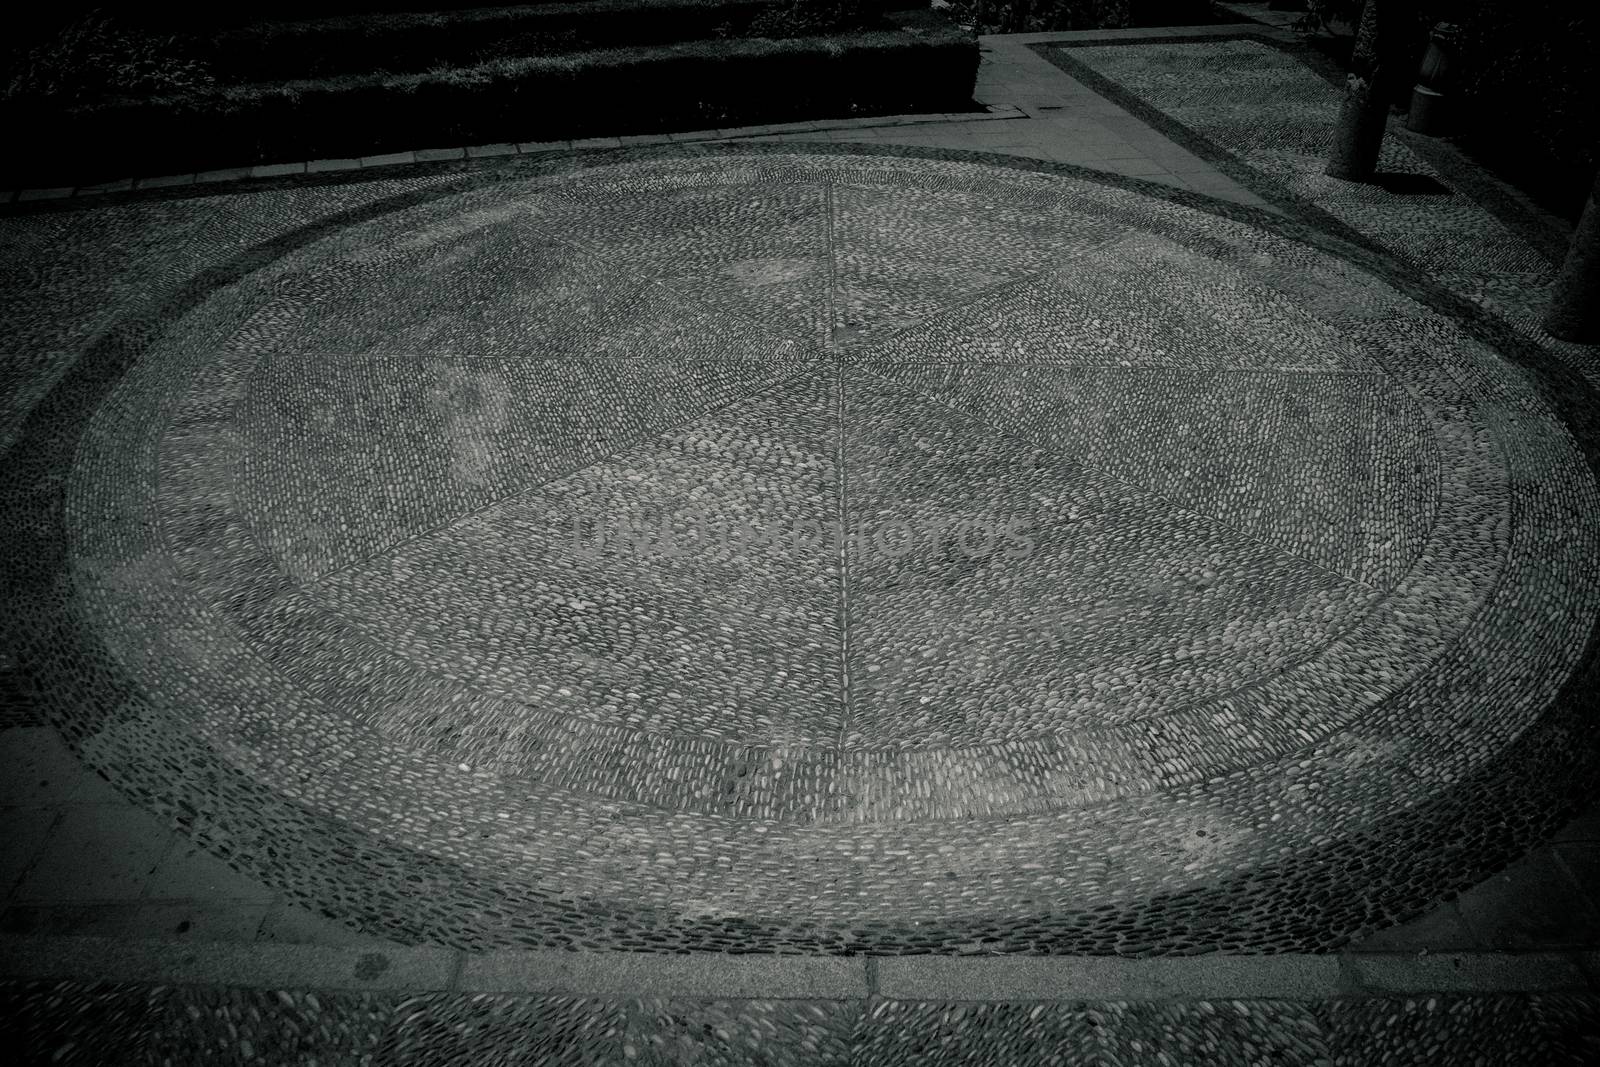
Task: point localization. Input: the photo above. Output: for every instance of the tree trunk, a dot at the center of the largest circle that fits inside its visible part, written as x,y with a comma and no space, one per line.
1365,111
1574,313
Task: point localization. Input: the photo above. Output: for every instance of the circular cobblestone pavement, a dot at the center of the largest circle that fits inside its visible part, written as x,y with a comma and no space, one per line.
819,551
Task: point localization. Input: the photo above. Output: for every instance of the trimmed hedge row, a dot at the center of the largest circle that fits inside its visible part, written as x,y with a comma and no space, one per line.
1038,16
416,41
693,85
260,11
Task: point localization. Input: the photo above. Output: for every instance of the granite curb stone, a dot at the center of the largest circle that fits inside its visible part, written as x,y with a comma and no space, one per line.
691,975
743,976
219,963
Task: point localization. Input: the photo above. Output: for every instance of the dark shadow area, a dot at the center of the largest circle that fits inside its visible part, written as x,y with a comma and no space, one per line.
1049,16
1411,184
96,95
1175,13
1335,48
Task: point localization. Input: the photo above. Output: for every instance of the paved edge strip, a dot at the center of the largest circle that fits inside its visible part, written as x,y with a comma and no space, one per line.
698,975
1109,978
1515,210
783,977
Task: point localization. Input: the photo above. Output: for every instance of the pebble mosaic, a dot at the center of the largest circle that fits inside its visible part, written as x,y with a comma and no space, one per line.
72,1023
1184,603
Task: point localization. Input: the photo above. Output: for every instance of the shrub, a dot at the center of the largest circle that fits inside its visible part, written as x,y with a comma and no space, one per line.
1525,75
811,18
92,55
417,41
1038,16
691,85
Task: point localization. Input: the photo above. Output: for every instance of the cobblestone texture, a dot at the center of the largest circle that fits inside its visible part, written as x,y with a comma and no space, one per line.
70,1023
1295,642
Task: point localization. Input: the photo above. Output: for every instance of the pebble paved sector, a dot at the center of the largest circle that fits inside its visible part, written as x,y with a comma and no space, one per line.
473,571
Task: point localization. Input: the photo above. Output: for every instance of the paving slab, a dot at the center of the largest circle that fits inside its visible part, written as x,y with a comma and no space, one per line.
486,151
224,174
294,925
1463,972
120,185
188,872
40,770
165,181
277,170
109,919
199,921
1093,979
706,975
24,831
96,852
1585,828
388,159
1441,929
1581,859
1532,904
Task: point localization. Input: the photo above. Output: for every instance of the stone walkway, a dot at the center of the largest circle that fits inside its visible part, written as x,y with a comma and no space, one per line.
1053,583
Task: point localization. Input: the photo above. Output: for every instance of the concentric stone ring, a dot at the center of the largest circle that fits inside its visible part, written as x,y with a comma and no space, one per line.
357,540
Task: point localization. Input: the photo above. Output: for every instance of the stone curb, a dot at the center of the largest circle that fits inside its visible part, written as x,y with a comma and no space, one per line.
1134,33
693,975
1108,978
768,977
1472,972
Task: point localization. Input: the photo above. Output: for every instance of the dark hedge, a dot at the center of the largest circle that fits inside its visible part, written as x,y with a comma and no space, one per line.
1526,80
686,86
1039,16
416,41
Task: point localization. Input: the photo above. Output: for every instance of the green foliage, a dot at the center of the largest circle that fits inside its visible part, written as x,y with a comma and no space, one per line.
1038,16
811,18
1321,14
73,61
1525,72
418,41
688,85
95,55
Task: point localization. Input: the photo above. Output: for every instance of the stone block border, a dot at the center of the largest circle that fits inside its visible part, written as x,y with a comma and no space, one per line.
432,968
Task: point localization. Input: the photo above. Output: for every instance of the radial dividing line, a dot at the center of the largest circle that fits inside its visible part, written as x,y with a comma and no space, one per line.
1138,368
844,577
847,701
1142,490
529,487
